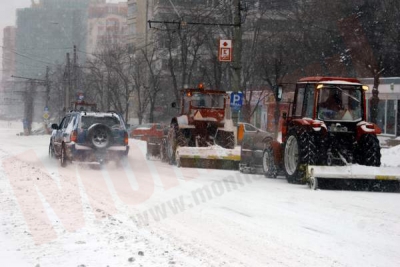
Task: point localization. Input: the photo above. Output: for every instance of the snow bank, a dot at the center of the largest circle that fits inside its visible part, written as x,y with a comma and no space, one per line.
391,157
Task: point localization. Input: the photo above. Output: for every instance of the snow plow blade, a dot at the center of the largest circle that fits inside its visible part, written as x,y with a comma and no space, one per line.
352,172
214,157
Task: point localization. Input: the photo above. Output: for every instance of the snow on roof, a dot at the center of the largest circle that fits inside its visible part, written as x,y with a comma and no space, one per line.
340,82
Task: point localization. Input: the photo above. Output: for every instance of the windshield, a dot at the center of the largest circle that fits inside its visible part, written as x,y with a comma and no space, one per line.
342,103
109,121
201,100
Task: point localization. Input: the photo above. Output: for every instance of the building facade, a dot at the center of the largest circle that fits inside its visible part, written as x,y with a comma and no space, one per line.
8,63
389,101
107,23
46,32
7,98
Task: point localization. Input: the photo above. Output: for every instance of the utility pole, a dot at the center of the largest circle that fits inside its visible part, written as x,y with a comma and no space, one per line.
28,109
29,95
47,87
68,85
237,53
237,46
75,72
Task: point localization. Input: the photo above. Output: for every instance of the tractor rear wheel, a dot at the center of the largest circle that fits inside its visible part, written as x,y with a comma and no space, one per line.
175,138
369,151
300,150
225,139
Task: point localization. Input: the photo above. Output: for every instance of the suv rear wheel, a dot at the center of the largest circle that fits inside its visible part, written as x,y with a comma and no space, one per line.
63,157
51,152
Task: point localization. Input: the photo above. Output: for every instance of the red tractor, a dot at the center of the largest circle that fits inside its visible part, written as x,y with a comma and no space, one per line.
327,126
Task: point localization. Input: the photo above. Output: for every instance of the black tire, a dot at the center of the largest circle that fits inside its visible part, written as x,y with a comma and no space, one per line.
225,139
100,136
368,151
269,168
163,150
300,150
175,138
63,157
51,151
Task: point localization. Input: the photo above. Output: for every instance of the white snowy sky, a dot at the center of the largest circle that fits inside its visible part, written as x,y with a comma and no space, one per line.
7,14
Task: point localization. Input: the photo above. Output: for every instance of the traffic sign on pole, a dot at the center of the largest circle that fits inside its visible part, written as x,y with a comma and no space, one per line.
236,100
225,51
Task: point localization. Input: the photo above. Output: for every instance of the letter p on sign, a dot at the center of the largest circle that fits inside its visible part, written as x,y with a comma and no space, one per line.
236,100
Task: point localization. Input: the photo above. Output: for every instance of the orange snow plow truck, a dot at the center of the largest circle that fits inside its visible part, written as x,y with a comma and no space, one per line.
202,135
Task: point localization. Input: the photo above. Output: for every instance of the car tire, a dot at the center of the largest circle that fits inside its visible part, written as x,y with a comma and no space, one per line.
51,152
100,136
63,157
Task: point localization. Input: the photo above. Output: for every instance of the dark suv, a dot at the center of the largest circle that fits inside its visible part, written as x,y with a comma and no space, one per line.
90,137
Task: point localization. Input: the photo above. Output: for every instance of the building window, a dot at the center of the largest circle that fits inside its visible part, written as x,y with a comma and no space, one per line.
387,116
132,9
299,102
132,29
391,117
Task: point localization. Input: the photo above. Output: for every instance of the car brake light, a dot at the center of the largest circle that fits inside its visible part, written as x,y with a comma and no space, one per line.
126,138
74,136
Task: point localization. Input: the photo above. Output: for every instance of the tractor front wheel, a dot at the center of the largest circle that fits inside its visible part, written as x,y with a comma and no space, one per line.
269,168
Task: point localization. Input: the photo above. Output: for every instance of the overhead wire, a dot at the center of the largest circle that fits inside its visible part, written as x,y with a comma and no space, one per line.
25,56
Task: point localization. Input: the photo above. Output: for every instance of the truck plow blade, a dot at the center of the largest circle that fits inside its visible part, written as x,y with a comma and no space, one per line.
214,157
352,172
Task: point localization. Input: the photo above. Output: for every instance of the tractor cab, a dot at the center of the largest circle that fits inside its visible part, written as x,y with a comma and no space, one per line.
330,99
201,104
339,102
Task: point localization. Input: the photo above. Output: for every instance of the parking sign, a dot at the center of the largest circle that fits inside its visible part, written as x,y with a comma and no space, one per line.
236,100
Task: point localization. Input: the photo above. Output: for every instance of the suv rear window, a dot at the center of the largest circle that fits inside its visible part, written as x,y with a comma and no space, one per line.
109,121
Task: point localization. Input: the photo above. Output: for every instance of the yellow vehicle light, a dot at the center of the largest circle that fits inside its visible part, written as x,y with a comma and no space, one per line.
320,86
365,87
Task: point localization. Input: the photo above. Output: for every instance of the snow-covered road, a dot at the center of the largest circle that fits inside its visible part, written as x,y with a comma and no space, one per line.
151,214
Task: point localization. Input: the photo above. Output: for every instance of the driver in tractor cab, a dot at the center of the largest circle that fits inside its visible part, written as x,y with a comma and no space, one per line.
333,102
332,106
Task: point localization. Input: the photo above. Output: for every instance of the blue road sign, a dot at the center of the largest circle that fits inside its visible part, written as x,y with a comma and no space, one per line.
236,100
